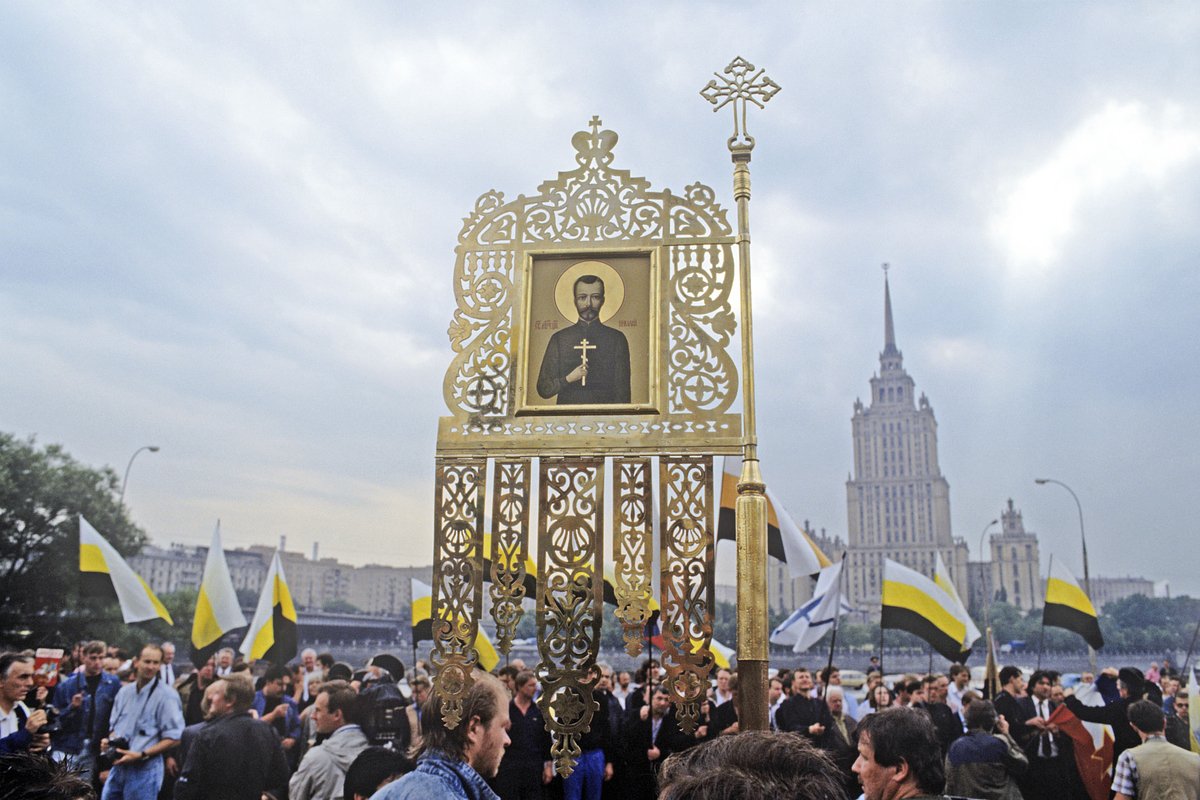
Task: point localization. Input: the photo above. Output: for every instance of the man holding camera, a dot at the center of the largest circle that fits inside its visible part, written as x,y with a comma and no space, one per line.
85,700
147,720
20,728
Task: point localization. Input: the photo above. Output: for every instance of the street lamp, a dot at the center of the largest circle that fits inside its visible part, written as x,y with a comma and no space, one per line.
987,601
1087,584
153,448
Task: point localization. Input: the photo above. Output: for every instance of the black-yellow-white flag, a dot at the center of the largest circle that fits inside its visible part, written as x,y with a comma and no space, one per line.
217,609
104,572
1067,606
273,632
914,603
422,625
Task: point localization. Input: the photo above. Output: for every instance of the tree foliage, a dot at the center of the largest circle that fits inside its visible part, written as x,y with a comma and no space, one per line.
43,492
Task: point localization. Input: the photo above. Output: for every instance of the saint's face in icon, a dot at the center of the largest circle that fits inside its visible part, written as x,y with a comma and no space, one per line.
589,299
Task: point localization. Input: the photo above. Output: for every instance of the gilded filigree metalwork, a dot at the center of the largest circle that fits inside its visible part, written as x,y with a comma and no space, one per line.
600,209
457,579
570,584
702,374
510,516
686,547
741,84
632,548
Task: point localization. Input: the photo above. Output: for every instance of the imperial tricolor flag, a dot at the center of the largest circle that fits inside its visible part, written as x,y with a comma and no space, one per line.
105,572
941,576
1068,607
422,625
217,609
273,635
786,542
914,603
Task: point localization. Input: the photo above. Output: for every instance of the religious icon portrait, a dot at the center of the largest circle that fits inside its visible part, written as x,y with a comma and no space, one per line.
589,337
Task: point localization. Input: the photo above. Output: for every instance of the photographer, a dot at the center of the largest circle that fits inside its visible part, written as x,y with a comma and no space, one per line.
20,728
147,721
85,701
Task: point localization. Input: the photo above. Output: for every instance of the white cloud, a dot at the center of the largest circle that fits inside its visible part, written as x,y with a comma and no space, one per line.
1122,147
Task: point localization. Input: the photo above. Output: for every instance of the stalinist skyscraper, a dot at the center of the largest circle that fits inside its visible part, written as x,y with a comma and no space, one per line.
897,500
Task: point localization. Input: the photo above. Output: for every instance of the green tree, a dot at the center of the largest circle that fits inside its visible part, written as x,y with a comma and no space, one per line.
340,606
43,492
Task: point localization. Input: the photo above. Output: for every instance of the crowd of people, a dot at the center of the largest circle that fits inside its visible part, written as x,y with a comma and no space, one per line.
139,726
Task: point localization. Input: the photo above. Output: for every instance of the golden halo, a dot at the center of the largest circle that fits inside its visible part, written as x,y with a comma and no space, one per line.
614,289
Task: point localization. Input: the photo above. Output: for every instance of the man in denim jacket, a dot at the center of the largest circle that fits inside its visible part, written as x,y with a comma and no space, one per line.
455,763
85,701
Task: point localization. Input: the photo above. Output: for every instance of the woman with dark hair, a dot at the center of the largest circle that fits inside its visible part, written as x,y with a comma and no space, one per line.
879,699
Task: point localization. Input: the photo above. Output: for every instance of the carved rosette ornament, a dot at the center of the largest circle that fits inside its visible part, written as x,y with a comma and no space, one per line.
570,584
510,518
685,485
457,579
632,549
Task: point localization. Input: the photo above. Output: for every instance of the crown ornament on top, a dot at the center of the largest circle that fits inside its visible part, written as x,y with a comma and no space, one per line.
741,84
594,146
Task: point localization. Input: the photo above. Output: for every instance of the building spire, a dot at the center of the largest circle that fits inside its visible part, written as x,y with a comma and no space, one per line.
889,331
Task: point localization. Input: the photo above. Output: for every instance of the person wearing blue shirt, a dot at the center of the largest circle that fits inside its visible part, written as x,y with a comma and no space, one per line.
84,701
281,712
149,715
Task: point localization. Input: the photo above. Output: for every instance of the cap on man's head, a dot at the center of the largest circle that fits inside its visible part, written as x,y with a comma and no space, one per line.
1133,679
389,662
341,671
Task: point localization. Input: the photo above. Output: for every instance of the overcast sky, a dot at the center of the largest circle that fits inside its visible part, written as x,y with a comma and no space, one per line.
227,229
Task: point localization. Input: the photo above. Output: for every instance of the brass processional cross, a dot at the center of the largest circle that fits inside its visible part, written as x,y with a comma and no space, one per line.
555,516
583,346
743,84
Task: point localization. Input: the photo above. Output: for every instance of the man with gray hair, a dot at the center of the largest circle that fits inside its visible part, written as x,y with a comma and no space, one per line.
234,756
985,763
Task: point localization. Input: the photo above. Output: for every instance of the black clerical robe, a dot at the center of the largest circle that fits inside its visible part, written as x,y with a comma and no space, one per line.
608,365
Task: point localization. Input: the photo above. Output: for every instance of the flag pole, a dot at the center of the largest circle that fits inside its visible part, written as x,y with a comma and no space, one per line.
1191,647
837,614
1042,635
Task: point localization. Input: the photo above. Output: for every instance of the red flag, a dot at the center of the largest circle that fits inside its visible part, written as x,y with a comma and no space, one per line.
1093,747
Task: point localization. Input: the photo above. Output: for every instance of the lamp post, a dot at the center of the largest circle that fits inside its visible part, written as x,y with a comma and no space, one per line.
153,448
986,600
1087,583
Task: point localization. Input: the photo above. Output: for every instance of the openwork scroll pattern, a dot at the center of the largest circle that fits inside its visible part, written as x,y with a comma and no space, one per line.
569,598
479,376
632,542
701,376
457,579
510,516
687,581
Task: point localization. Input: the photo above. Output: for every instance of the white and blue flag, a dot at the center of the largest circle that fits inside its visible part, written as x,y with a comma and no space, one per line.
811,621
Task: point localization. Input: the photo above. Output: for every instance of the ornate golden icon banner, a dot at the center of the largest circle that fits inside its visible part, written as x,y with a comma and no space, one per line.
457,578
632,546
659,375
570,596
510,520
685,487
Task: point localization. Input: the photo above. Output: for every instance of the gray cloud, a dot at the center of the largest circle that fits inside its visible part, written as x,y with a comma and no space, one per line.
230,232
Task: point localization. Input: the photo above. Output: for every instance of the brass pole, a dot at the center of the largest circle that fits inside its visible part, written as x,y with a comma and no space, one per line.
751,506
741,84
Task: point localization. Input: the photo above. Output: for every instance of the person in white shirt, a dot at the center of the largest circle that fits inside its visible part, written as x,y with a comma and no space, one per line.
19,726
167,670
960,682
